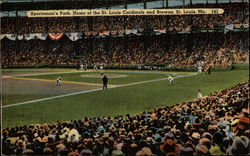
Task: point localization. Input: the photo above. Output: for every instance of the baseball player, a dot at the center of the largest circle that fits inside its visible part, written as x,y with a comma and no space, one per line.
105,82
101,70
81,66
199,70
171,80
199,94
59,81
95,67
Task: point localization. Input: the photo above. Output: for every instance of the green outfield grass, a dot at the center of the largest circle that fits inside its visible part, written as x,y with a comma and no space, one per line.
9,99
131,99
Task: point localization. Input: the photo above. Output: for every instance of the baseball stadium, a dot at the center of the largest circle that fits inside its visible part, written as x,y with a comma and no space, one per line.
125,77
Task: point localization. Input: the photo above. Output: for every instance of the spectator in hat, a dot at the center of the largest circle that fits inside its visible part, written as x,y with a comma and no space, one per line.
144,151
86,152
201,150
170,147
216,148
240,146
117,153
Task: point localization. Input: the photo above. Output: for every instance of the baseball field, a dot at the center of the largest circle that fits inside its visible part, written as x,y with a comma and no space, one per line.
30,96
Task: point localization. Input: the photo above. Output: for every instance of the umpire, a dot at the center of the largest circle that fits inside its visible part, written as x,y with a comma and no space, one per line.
105,82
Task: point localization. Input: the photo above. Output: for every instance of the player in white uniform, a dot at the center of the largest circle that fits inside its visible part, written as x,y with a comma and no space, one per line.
81,66
199,94
95,67
101,69
171,80
199,70
59,81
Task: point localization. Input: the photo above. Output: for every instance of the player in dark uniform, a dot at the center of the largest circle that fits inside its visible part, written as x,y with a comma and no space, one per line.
105,82
209,70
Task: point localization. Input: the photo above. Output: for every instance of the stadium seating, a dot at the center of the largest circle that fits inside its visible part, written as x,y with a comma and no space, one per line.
217,48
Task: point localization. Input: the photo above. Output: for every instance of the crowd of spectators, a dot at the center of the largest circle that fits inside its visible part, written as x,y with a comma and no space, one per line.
8,25
217,124
35,52
235,13
177,50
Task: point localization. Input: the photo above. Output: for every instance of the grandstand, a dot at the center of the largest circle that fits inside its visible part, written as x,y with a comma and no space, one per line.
139,113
